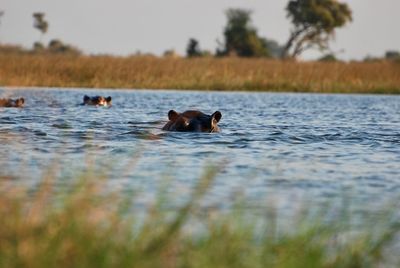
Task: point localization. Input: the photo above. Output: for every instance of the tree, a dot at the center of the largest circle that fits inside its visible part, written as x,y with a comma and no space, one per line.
314,23
241,37
193,48
40,23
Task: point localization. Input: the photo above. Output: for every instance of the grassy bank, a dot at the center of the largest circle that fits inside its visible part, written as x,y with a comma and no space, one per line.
84,224
202,73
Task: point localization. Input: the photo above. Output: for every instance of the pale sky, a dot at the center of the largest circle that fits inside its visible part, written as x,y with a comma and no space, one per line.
123,27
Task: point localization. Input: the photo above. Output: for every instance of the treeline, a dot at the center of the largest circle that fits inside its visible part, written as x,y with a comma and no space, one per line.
54,46
240,39
313,26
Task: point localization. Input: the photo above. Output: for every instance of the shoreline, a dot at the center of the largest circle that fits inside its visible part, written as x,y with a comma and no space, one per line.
33,88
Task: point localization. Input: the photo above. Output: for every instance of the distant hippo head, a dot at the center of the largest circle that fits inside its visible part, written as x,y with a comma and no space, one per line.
192,121
12,102
97,100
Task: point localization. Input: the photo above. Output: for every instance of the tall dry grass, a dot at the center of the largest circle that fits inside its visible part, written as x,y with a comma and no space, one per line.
199,73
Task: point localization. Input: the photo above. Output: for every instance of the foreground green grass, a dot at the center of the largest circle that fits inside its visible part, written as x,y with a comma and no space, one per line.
86,225
200,73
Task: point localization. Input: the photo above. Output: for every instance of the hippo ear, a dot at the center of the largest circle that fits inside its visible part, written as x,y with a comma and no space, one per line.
86,98
108,99
172,115
217,116
22,100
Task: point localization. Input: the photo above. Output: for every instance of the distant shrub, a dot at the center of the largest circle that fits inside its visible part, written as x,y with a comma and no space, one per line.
370,58
392,55
56,46
171,53
38,47
328,58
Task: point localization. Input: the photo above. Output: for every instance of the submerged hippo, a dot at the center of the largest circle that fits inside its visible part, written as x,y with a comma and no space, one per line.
12,103
192,121
97,100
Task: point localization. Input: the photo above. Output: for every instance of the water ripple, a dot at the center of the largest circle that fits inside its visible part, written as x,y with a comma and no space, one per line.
293,144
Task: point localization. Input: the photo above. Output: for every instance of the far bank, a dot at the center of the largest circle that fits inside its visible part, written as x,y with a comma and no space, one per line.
219,74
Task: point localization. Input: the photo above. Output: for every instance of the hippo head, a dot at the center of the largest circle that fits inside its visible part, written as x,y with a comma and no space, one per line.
12,102
19,102
192,121
97,100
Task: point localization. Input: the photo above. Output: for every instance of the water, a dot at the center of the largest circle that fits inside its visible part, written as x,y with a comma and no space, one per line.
280,147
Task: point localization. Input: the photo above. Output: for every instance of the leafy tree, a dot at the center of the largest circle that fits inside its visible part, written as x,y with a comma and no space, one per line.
314,23
241,37
193,48
40,23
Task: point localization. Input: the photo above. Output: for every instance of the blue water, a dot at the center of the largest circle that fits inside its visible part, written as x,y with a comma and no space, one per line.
272,146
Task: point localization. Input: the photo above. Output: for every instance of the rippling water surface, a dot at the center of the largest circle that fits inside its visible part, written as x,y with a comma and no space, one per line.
280,146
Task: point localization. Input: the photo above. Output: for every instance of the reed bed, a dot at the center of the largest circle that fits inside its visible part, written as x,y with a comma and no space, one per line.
147,72
85,224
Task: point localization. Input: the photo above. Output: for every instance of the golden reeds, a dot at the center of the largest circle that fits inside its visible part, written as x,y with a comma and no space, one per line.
146,72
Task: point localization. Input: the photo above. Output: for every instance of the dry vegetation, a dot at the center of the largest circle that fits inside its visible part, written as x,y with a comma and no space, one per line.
198,73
